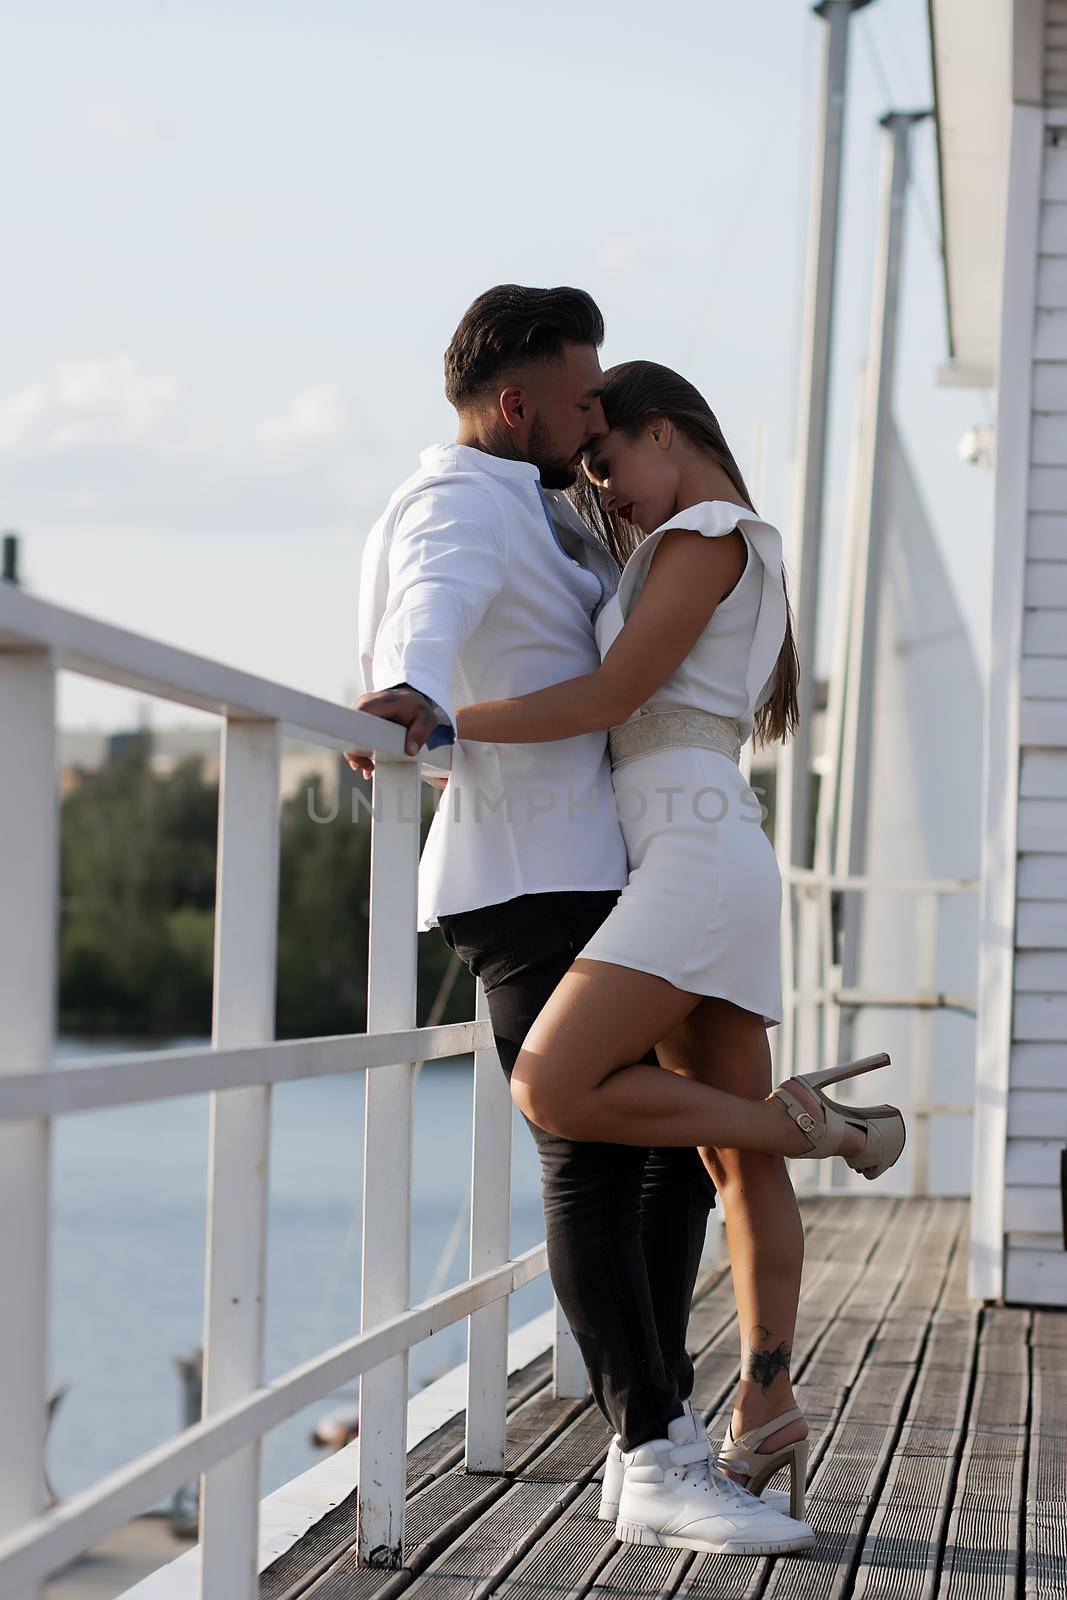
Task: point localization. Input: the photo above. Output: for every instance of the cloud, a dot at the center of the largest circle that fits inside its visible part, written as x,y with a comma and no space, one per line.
19,416
88,403
105,443
315,414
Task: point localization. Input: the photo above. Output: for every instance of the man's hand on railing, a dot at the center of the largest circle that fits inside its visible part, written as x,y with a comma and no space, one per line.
414,711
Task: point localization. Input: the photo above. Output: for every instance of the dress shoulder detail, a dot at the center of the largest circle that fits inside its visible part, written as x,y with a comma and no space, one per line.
713,518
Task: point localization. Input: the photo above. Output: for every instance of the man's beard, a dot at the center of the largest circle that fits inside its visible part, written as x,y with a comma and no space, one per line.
555,474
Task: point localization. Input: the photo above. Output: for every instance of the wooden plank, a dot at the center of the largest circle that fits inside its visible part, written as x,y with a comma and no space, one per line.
1034,1112
536,1417
1046,1484
1043,877
834,1365
1040,925
578,1547
1032,1161
1052,234
1042,825
1046,582
901,1554
1048,432
1044,677
897,1425
837,1258
1036,1277
1033,1210
1044,633
1050,330
858,1456
1043,773
1054,173
1046,532
982,1546
336,1531
1042,971
1040,1242
1049,387
1040,1016
578,1450
1048,485
886,1376
1043,722
1052,286
445,1500
1036,1064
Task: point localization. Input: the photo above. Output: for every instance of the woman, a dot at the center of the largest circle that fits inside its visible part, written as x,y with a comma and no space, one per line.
697,654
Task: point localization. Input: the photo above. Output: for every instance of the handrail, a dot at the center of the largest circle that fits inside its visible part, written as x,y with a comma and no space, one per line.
136,1078
238,1071
61,1534
80,643
815,998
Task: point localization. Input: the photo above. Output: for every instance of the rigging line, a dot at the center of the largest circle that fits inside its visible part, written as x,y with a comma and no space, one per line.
775,125
926,215
876,60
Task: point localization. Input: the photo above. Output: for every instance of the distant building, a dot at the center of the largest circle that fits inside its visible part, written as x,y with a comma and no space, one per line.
83,751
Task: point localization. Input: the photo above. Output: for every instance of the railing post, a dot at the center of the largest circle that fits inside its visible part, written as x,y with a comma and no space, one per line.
246,918
809,979
386,1265
28,839
487,1337
784,1050
570,1380
927,913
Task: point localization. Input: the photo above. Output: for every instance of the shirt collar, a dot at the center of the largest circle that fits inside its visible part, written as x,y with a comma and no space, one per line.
469,459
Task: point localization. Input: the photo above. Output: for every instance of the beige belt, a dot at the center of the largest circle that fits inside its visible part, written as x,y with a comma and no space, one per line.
674,730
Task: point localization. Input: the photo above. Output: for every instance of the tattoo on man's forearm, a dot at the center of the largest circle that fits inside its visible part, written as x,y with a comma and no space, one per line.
763,1366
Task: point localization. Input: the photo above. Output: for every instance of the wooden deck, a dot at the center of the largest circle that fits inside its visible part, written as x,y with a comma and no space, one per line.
939,1465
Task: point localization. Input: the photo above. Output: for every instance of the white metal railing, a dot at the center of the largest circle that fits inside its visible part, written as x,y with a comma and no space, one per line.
238,1070
814,996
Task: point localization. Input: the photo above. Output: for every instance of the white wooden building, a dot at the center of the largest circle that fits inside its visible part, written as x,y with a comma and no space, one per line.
1001,85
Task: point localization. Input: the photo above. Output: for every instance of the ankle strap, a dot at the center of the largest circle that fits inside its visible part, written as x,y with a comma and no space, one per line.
812,1129
756,1436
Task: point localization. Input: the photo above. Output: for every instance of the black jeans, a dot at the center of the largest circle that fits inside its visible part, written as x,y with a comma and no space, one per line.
625,1225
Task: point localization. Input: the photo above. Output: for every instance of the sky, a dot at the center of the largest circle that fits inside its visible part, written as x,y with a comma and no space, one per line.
239,236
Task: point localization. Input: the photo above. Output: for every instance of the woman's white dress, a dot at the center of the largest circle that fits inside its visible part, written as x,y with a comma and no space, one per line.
704,896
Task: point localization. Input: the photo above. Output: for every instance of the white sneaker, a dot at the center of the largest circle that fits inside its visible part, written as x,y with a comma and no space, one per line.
671,1496
615,1472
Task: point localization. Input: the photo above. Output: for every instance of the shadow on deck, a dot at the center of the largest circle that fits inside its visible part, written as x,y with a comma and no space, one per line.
939,1462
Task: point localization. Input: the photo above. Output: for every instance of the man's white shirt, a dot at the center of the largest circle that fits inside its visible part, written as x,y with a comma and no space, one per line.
476,584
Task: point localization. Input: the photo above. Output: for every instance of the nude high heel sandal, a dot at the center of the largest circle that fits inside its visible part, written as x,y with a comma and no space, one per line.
742,1455
882,1126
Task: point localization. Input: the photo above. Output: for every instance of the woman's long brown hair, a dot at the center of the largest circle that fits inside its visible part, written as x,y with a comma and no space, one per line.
635,393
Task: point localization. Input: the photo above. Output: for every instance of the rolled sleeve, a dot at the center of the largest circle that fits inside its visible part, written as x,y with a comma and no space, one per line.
446,561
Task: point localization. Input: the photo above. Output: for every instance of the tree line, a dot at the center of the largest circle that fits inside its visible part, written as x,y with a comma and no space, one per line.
137,905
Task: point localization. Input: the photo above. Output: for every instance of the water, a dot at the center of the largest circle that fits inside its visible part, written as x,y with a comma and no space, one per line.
128,1253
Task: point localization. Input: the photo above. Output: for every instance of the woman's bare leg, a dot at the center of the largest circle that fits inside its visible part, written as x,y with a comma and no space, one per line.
721,1044
575,1074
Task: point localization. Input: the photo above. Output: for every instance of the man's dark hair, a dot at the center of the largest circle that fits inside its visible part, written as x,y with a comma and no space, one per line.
509,326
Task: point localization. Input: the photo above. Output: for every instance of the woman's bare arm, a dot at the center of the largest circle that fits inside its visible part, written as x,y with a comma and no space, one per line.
687,577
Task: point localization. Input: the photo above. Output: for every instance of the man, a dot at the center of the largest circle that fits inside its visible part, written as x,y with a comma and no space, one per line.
480,580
